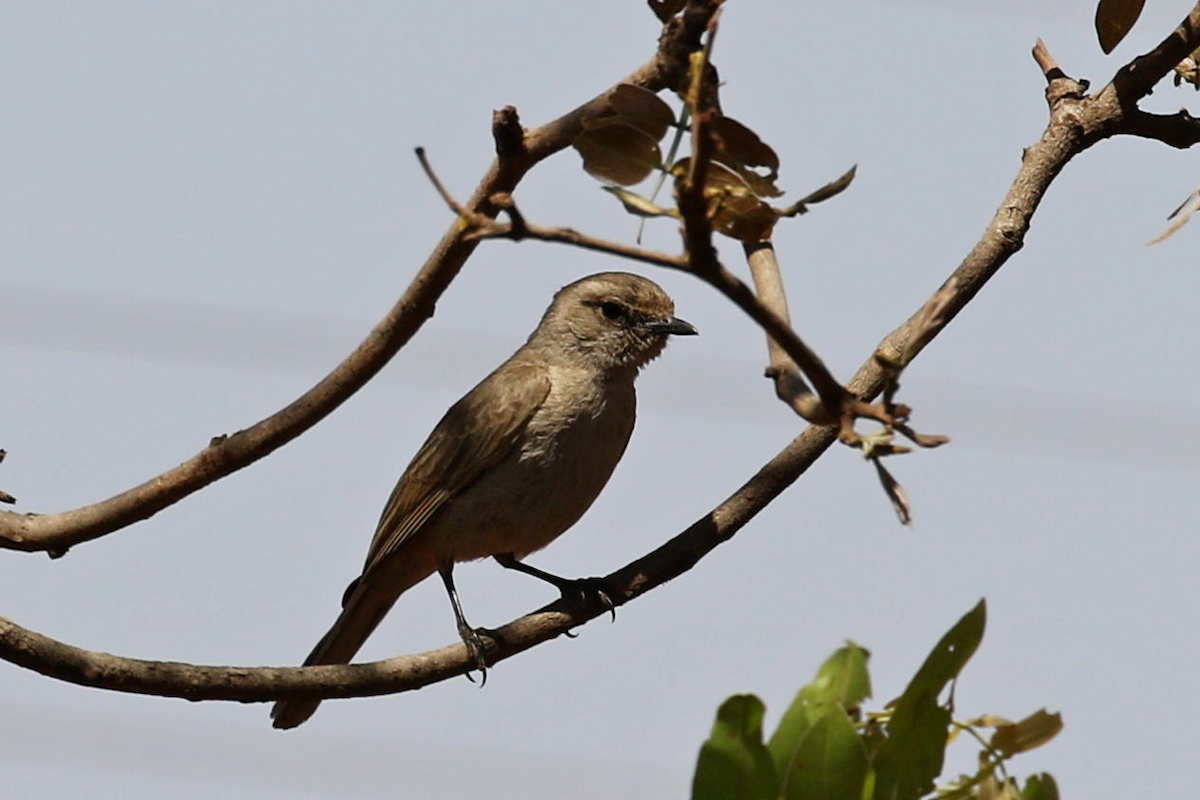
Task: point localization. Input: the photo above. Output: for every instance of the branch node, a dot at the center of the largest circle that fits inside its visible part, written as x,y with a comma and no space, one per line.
508,133
518,229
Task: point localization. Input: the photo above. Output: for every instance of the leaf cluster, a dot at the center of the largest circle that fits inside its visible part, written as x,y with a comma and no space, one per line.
827,748
622,148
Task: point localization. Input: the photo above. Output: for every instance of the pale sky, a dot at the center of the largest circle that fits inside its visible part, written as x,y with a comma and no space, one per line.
204,206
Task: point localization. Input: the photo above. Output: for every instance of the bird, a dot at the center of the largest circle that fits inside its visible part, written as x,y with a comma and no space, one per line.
514,463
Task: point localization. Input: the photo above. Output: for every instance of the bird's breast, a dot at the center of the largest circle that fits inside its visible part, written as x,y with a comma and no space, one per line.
564,458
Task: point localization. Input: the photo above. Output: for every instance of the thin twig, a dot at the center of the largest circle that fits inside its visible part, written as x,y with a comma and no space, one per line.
447,198
577,239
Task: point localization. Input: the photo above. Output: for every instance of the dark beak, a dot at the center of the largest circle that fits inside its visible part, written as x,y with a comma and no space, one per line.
674,325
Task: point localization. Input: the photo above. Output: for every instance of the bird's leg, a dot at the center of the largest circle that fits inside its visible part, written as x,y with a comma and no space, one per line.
475,646
591,589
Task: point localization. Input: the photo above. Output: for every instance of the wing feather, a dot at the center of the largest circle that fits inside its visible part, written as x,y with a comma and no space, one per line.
474,435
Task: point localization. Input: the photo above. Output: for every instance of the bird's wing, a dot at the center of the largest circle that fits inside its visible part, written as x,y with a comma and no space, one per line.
475,434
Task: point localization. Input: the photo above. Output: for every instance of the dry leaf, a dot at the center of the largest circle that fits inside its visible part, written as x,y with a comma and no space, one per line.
1114,19
618,153
741,149
1179,217
1033,731
827,191
733,207
641,109
638,205
895,493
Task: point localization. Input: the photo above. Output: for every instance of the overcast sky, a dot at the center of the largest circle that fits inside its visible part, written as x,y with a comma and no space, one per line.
205,205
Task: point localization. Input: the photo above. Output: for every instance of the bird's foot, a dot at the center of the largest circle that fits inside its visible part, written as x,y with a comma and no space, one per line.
590,592
477,650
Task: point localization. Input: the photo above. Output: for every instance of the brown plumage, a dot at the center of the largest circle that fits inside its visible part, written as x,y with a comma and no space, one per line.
515,462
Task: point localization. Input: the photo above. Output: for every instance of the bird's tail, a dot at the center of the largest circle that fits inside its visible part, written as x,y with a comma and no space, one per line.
366,603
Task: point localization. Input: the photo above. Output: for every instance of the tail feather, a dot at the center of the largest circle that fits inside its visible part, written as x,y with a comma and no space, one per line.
366,603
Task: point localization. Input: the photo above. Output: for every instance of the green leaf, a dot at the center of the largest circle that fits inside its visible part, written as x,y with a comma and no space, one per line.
950,654
734,763
911,757
830,763
1114,19
1040,787
613,151
841,680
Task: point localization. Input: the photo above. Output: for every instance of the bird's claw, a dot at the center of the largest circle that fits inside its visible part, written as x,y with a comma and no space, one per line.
477,650
590,591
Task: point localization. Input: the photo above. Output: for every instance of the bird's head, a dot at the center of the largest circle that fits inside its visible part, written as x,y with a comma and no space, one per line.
615,319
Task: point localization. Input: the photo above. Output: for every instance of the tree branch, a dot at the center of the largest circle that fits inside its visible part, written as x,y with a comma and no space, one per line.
249,684
1180,130
1063,138
790,386
517,153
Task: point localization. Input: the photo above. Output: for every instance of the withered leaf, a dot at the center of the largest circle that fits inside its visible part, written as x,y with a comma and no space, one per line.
1033,731
827,191
665,9
1189,70
895,493
741,149
1114,19
989,721
733,207
1179,217
642,109
638,205
618,153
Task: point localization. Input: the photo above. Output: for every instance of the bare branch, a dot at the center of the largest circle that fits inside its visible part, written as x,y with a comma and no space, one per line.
574,237
1046,61
54,533
255,684
1180,130
790,386
447,198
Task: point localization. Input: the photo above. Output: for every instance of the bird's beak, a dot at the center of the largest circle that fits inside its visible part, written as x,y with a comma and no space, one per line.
672,325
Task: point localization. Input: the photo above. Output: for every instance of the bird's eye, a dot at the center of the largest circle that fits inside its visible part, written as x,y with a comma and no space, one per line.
611,310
